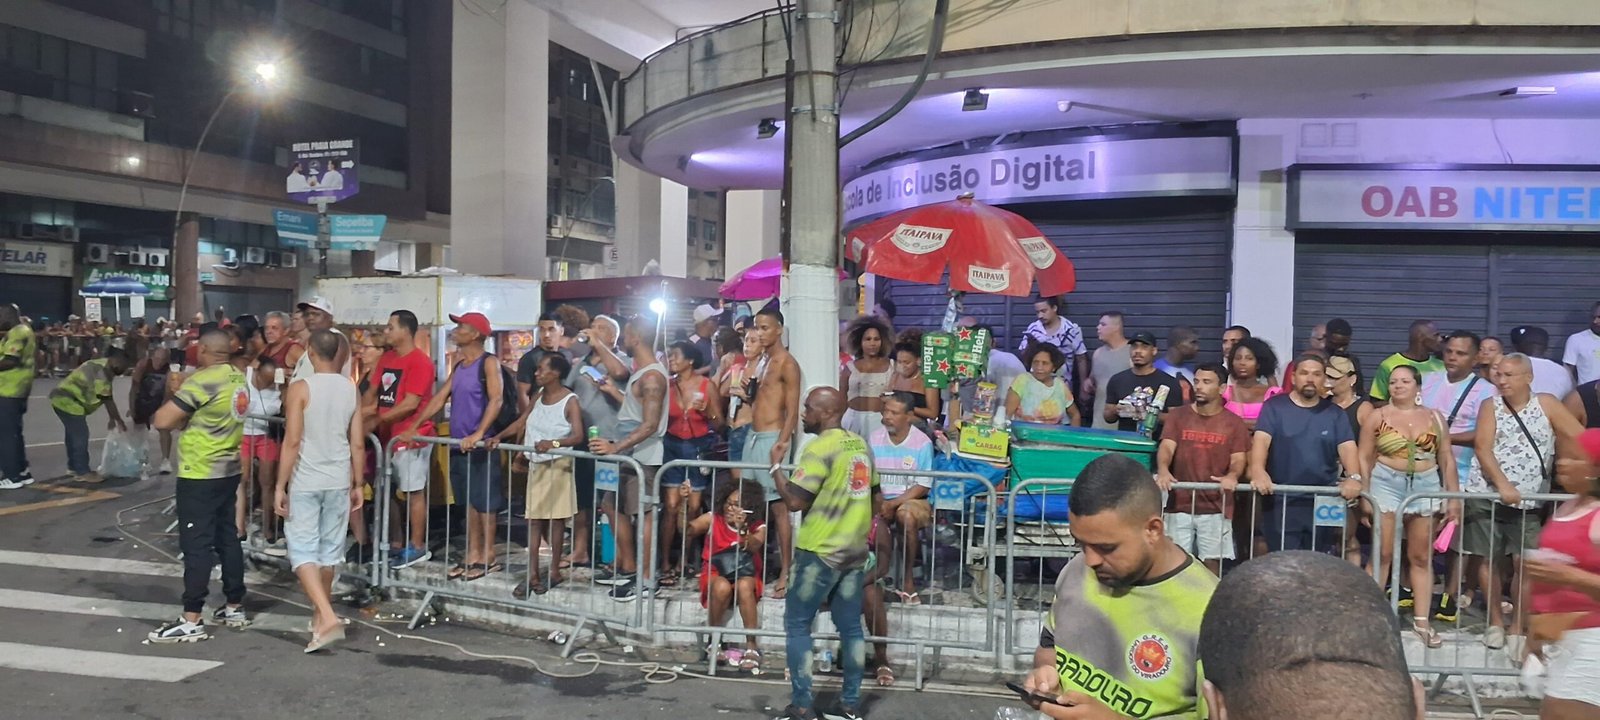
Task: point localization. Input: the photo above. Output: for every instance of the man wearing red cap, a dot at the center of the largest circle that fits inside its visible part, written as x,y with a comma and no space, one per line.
473,391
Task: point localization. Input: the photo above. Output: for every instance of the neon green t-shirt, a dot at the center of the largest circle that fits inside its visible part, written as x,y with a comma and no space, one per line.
18,343
1380,382
837,468
84,390
1136,650
216,401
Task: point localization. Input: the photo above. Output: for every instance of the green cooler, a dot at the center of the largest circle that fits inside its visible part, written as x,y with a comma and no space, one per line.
1061,451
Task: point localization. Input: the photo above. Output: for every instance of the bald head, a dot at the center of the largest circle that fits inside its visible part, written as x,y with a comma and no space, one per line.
1289,634
824,410
216,346
10,315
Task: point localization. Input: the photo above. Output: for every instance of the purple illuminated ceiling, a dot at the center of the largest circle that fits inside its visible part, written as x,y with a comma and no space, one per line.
709,149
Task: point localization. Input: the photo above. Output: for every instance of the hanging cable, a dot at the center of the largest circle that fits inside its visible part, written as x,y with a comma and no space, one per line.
941,14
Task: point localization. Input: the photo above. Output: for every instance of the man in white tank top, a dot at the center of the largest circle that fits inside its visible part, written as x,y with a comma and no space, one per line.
319,477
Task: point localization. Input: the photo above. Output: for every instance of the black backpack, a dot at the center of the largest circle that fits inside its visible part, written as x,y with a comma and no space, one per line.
509,408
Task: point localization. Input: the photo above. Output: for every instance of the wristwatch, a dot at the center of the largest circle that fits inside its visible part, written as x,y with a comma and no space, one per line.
1356,477
555,444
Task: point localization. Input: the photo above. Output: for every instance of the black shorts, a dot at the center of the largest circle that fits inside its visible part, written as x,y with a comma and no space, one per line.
583,477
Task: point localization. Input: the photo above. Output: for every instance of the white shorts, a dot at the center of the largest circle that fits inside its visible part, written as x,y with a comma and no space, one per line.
316,526
1574,665
1207,537
412,468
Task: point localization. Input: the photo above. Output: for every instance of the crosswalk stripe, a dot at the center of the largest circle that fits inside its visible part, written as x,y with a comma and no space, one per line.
93,663
99,607
89,563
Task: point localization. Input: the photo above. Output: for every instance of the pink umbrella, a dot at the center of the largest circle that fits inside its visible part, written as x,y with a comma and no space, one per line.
758,282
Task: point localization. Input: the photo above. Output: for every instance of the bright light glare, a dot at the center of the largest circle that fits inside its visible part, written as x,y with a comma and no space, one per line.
266,73
658,306
132,160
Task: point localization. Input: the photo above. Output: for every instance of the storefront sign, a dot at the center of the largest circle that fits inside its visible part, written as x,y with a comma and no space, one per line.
323,171
159,281
1496,197
91,309
1039,173
24,258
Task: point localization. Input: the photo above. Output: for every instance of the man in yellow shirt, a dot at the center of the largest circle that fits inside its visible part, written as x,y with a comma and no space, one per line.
17,351
77,397
1121,638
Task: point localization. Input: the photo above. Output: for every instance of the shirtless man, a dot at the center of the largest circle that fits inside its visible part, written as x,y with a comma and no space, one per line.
775,398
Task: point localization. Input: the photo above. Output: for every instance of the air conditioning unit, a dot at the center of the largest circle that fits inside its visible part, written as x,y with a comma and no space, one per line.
155,258
68,234
289,259
137,257
97,254
230,257
255,256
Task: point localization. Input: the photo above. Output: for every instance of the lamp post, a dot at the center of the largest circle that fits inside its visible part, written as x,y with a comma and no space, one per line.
261,75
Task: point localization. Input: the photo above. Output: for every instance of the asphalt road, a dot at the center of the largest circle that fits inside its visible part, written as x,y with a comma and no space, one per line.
83,578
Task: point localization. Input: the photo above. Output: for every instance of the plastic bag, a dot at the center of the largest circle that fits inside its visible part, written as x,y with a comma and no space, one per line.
123,455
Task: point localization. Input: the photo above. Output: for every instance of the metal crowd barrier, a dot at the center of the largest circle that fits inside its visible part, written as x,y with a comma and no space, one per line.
1041,536
585,603
923,626
1464,651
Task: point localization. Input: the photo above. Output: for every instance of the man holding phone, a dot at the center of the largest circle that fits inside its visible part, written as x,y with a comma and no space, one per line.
1121,639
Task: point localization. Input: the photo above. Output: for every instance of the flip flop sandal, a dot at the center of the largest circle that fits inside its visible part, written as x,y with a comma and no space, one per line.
494,567
319,642
456,571
885,676
475,571
668,579
751,660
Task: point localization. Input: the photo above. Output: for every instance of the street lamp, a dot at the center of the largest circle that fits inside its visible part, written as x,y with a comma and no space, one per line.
263,74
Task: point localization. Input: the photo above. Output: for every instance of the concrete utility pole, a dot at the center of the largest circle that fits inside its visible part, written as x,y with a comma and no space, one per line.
812,186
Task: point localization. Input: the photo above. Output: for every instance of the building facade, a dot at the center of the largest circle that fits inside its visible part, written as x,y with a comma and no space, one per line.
104,106
1267,164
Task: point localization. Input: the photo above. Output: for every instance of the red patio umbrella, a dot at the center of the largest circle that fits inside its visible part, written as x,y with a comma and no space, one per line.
984,248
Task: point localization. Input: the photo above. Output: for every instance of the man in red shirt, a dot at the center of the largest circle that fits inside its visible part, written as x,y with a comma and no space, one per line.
402,384
1202,443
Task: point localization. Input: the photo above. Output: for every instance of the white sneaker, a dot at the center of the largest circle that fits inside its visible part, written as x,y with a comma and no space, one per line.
9,484
231,617
166,467
178,631
1494,638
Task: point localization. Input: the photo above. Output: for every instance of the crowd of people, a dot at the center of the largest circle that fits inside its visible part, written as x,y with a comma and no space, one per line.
1450,411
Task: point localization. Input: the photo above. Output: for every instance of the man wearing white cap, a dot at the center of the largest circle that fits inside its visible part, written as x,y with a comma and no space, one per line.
706,320
318,315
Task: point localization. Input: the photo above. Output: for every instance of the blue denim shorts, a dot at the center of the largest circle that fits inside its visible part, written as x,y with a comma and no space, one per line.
688,449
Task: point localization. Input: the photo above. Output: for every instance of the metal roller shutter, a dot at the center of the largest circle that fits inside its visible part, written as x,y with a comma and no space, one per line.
1159,273
1383,284
1552,287
1380,289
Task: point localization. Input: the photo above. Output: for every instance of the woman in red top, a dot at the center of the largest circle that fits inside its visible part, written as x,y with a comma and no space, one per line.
694,414
734,536
1565,576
